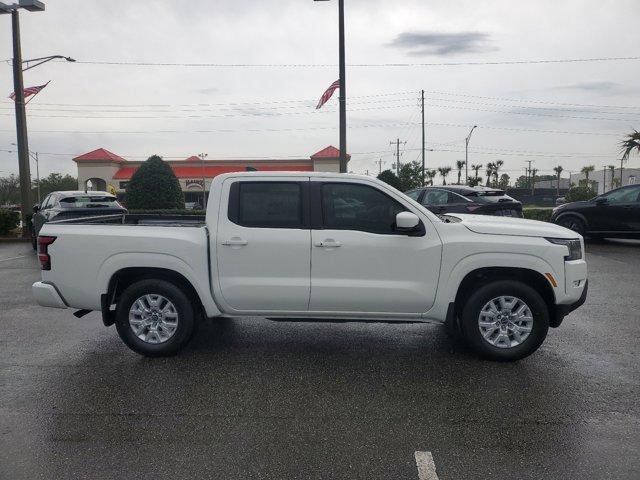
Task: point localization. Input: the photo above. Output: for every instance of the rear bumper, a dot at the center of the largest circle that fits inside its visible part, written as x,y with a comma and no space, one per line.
47,295
562,311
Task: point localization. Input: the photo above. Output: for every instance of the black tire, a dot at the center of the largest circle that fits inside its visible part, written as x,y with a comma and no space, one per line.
183,306
572,222
512,288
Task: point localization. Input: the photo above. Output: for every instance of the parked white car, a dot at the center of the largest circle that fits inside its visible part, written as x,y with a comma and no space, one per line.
320,246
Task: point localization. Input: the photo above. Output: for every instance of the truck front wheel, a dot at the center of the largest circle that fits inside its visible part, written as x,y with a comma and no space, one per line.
505,320
154,318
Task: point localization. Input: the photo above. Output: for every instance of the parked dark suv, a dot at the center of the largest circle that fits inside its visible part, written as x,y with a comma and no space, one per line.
463,199
63,205
612,214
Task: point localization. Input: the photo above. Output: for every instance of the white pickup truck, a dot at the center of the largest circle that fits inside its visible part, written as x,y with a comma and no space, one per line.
307,246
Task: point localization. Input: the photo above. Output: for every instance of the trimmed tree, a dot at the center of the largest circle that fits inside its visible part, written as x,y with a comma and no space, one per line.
387,176
154,186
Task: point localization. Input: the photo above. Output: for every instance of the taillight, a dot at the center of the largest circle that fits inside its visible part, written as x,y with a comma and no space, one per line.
43,251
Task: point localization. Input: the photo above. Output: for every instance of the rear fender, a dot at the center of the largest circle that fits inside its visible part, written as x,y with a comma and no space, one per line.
198,279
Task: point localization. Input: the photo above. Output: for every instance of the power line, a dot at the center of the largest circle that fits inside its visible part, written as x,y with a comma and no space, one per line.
331,65
545,102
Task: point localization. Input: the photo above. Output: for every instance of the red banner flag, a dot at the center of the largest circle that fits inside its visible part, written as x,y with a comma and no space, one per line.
328,93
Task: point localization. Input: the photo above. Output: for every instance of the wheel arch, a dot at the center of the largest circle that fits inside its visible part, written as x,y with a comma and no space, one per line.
573,213
125,277
481,276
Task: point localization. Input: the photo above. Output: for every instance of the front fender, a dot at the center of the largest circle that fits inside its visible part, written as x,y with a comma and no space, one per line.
199,278
470,263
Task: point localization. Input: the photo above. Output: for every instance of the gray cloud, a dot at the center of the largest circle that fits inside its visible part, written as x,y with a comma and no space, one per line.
595,86
431,43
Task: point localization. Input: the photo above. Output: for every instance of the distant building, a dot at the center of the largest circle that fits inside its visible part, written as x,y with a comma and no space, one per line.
630,176
103,170
564,183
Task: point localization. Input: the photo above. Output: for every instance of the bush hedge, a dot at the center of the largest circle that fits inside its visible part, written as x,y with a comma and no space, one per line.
9,220
542,214
154,186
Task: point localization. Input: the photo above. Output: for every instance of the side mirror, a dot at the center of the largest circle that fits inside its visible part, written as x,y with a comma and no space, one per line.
601,201
36,208
407,222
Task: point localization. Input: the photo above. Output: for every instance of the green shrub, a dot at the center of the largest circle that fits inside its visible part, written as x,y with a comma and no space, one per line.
576,194
154,186
8,221
542,214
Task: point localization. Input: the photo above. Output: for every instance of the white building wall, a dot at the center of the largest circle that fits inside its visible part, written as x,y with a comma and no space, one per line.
630,176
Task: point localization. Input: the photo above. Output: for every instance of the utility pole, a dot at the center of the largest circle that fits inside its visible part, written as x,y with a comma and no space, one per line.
529,173
21,125
466,156
204,181
343,91
621,165
397,154
35,157
423,135
343,87
379,162
604,179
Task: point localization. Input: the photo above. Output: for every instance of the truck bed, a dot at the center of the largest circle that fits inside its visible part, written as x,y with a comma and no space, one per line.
141,219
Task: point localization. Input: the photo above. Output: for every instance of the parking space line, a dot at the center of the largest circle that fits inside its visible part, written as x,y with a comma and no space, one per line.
12,258
426,466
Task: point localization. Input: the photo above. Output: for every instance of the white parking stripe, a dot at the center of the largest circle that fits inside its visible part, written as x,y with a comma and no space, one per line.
12,258
426,466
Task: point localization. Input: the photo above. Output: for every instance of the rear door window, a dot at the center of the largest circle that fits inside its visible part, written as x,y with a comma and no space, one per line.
266,204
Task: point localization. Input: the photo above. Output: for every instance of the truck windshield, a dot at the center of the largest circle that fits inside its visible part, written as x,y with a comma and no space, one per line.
89,201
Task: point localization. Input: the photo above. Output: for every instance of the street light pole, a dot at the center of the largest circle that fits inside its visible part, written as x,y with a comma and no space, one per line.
466,156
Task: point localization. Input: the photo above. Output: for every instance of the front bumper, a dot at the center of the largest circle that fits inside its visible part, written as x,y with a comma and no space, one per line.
562,311
47,295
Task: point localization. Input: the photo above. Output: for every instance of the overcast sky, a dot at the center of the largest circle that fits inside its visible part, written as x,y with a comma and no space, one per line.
178,111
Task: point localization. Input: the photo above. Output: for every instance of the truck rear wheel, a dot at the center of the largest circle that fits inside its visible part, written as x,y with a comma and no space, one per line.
154,318
505,320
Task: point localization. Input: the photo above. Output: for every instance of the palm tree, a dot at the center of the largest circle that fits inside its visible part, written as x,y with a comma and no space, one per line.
460,165
430,175
558,171
444,171
586,170
496,169
490,168
476,169
631,143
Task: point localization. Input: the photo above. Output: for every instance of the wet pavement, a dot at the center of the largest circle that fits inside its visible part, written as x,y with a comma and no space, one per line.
253,398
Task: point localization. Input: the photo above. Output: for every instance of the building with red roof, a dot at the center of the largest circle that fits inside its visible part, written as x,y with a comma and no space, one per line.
103,170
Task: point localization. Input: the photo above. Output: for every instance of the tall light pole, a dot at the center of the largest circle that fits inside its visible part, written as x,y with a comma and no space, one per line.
18,89
343,87
466,156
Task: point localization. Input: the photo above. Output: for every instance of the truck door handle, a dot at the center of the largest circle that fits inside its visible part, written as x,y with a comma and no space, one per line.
235,242
328,243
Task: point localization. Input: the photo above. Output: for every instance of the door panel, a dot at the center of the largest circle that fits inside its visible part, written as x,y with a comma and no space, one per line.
263,245
375,271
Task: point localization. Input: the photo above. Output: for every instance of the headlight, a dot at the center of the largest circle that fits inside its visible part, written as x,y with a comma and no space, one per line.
574,246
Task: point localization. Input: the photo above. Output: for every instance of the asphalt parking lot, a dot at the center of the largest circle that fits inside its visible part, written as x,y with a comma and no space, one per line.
253,398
